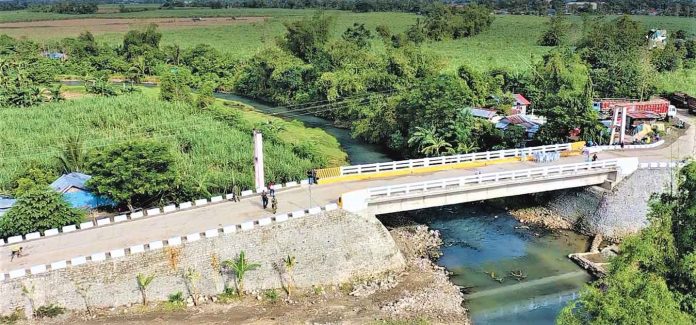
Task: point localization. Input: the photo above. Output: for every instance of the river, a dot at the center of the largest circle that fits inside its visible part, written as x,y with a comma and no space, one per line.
483,242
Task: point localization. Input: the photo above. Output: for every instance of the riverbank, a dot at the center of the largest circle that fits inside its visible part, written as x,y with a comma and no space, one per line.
420,293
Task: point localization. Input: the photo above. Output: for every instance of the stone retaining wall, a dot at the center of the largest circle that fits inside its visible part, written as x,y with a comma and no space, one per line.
330,248
613,214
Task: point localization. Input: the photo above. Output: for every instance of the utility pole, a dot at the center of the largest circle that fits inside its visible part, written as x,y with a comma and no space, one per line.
258,159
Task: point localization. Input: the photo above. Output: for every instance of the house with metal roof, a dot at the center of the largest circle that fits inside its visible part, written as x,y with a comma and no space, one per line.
487,114
531,127
74,189
520,105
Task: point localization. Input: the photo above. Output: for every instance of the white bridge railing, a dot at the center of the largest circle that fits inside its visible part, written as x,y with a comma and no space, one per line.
444,160
524,174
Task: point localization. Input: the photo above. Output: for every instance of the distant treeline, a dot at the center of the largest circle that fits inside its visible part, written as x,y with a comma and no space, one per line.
638,7
67,7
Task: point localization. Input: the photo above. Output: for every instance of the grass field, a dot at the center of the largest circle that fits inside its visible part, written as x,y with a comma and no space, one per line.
510,42
209,147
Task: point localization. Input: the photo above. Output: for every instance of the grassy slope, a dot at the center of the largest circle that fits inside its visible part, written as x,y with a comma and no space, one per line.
219,155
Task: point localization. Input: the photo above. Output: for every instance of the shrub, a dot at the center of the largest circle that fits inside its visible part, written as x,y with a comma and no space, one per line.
38,209
271,295
49,311
176,298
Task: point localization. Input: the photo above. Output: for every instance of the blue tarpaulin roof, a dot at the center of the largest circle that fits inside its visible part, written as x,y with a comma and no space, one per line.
82,197
67,181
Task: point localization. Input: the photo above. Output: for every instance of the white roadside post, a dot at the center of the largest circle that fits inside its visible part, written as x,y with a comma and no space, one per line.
258,159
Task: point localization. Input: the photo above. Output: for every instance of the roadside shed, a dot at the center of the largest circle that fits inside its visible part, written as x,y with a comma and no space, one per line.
74,189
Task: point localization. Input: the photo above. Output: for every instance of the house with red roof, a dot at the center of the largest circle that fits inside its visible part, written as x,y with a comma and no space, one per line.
519,107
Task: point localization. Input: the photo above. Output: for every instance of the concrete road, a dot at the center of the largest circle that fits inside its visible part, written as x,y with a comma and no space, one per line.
145,230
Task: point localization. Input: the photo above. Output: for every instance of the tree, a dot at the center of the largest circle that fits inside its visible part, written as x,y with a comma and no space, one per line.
205,96
38,209
653,280
437,146
174,86
289,263
34,176
627,296
667,59
619,61
132,173
72,157
556,32
101,86
358,35
305,38
240,266
144,281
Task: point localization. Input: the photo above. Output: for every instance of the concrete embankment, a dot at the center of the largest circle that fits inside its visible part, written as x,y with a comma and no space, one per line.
329,248
612,214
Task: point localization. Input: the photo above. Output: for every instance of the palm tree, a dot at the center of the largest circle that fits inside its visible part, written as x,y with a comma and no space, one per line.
240,266
466,147
436,147
72,157
289,263
138,70
143,282
192,276
422,136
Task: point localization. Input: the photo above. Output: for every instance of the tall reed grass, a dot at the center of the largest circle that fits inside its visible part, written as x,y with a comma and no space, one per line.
212,148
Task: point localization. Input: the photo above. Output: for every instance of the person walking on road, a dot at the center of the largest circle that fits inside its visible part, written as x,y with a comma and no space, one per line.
274,204
264,199
235,193
271,188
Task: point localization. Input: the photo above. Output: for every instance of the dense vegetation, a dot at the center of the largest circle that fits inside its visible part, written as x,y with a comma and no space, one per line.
211,149
38,209
653,280
369,90
68,7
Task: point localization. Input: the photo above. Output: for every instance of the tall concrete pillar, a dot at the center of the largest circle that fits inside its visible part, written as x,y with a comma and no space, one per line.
258,160
614,124
623,124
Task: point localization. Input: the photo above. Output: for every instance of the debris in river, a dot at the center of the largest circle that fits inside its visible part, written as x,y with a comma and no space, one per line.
518,275
492,275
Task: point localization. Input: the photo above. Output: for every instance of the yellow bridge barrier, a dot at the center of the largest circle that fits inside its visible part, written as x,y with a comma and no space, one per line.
333,175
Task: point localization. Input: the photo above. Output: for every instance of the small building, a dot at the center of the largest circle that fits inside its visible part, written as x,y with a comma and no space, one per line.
520,105
74,189
487,114
5,204
637,118
531,127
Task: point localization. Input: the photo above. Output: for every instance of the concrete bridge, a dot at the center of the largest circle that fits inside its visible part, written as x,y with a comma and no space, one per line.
375,188
448,191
